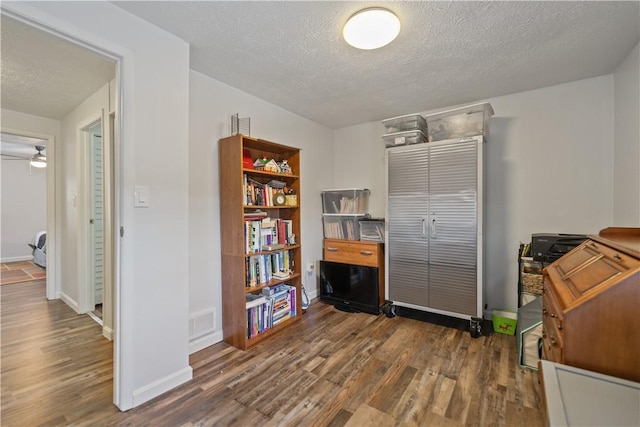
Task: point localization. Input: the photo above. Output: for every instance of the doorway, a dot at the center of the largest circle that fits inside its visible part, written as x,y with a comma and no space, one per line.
94,166
31,105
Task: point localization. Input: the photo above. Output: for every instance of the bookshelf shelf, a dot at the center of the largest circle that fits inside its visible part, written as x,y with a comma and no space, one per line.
244,232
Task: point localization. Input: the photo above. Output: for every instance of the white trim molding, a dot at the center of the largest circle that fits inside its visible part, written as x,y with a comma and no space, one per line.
162,385
203,342
17,258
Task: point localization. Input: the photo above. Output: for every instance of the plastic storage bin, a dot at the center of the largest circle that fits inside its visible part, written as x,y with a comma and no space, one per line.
504,321
471,120
372,230
342,227
405,123
403,138
346,201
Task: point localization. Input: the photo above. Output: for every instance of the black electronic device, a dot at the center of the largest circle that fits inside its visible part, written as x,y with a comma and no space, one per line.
349,287
548,247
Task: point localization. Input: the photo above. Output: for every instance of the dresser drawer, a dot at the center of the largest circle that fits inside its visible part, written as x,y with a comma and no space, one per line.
552,322
350,252
551,348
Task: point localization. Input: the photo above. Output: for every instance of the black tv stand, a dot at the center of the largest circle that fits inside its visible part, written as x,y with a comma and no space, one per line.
346,308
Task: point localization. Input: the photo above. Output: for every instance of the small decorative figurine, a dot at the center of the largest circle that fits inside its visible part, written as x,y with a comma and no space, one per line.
285,168
259,163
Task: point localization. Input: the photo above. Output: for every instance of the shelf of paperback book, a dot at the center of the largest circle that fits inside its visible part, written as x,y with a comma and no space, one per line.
272,282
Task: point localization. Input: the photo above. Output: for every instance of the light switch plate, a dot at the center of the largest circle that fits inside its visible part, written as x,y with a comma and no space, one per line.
141,197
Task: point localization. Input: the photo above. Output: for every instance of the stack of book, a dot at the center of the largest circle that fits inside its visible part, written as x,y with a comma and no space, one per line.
265,234
273,306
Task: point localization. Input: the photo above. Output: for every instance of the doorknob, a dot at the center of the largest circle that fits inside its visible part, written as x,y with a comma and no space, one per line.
91,221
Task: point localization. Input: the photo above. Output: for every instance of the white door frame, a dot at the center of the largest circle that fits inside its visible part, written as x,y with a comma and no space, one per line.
122,358
84,171
53,281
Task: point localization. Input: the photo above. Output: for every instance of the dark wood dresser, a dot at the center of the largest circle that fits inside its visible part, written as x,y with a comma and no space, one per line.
591,305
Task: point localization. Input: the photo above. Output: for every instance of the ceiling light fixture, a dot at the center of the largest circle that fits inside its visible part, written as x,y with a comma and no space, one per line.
371,28
39,160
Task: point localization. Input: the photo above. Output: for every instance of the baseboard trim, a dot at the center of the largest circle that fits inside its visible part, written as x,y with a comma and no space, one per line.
205,341
107,333
162,385
17,258
70,302
312,294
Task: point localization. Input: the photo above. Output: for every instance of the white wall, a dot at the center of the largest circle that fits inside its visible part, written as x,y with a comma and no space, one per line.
24,207
548,169
152,317
626,170
359,154
211,105
71,193
35,218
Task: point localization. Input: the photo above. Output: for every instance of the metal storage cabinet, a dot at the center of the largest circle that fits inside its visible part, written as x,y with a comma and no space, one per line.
434,228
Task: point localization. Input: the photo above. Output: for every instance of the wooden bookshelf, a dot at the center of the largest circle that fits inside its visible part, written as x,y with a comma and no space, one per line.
233,210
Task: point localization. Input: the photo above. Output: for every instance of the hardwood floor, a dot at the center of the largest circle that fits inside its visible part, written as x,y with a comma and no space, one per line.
330,369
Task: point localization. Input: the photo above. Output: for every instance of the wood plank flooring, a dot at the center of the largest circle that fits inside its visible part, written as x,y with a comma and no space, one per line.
330,369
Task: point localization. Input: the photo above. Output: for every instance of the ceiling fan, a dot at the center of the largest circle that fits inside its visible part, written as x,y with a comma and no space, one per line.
38,160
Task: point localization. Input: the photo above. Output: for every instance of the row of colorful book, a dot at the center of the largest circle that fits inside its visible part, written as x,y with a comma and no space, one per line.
274,305
265,267
267,234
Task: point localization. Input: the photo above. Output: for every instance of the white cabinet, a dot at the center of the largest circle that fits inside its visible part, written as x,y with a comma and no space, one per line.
434,226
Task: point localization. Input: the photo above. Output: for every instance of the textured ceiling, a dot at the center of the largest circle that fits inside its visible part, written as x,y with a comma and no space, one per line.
292,53
45,75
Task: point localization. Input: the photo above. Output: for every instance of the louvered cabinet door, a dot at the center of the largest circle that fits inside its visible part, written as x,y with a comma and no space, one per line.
407,245
453,227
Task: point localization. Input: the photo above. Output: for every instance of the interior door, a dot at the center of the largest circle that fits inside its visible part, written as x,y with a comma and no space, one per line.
407,224
97,216
453,226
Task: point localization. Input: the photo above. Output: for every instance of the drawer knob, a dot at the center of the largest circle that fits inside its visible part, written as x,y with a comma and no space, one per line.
559,325
332,249
366,253
545,312
617,257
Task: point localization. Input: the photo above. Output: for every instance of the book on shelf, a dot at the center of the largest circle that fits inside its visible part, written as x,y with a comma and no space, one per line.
267,234
280,275
273,247
282,319
261,268
272,290
256,193
254,300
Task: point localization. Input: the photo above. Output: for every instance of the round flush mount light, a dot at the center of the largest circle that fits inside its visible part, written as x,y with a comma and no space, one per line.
371,28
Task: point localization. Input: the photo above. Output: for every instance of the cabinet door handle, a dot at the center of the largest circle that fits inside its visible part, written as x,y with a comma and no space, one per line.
366,253
330,249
